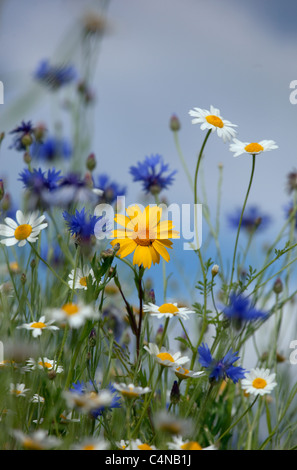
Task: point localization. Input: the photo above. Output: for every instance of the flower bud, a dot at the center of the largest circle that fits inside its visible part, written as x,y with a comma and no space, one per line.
92,338
278,286
6,202
27,158
174,123
214,270
27,140
175,393
91,162
1,190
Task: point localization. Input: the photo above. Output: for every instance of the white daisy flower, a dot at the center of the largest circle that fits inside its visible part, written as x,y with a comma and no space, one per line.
67,418
38,440
164,357
26,229
44,363
259,382
130,391
37,399
92,444
183,373
18,390
81,278
37,327
179,444
75,314
88,402
212,120
167,310
252,148
167,423
137,444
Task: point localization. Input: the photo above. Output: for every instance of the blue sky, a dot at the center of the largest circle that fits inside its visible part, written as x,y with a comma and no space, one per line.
161,58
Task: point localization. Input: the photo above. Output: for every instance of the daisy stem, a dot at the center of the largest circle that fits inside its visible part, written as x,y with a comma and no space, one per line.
48,266
240,221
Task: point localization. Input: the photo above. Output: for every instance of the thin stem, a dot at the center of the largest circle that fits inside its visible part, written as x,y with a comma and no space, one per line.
240,221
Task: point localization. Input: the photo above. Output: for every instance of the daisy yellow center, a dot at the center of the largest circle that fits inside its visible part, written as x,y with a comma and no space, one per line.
83,281
144,447
168,308
48,365
38,324
70,309
88,447
192,445
259,383
22,232
31,445
17,392
165,357
182,371
214,120
254,147
14,266
130,393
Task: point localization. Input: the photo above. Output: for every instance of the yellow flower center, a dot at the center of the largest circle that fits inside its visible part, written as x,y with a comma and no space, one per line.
165,357
254,147
192,445
48,365
16,392
38,324
29,444
130,393
14,266
22,232
214,120
143,236
70,308
83,281
168,308
180,371
88,447
259,383
144,447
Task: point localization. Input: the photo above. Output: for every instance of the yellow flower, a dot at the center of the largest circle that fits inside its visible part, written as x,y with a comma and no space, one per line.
144,234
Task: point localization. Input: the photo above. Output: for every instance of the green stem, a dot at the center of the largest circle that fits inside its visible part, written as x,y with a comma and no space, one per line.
240,221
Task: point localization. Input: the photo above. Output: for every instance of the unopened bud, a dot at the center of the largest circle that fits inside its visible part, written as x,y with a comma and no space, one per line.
92,338
52,374
1,190
23,278
175,393
151,296
91,162
27,140
33,263
2,135
6,202
278,286
214,270
27,158
159,334
155,189
174,123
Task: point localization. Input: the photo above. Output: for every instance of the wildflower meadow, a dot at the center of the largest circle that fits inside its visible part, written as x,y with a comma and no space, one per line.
125,325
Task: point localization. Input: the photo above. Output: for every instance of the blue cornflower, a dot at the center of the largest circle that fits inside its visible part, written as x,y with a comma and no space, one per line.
240,311
55,76
24,136
81,224
110,189
37,180
82,388
222,368
151,172
51,149
252,219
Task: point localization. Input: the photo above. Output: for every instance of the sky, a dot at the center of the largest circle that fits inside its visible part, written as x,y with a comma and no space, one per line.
160,58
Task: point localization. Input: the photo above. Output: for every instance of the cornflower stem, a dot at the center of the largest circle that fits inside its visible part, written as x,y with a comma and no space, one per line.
240,221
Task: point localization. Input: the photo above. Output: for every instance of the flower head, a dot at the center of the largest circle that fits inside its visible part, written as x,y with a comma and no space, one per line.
81,224
54,76
259,382
78,279
240,310
51,149
23,136
37,327
44,364
183,373
109,190
75,314
152,174
253,219
18,390
131,391
252,148
164,357
145,234
222,368
25,229
212,120
167,310
38,440
178,443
